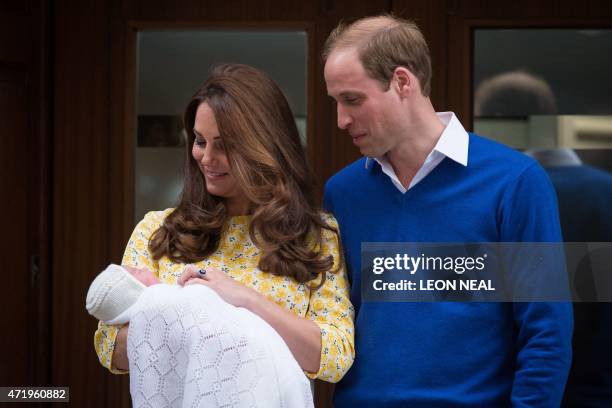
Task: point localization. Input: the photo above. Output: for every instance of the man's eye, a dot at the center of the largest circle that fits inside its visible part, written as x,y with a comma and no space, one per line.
351,101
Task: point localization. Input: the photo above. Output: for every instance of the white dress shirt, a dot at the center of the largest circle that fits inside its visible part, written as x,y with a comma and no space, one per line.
453,143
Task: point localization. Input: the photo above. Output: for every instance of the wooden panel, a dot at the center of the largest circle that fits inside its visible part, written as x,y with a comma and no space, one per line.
23,162
533,9
459,82
39,185
121,170
264,10
80,198
15,39
17,6
14,204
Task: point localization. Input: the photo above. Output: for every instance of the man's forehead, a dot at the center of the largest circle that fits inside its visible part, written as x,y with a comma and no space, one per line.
344,53
344,72
345,61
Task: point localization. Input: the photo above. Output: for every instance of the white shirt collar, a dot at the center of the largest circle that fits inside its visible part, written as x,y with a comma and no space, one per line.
454,140
453,143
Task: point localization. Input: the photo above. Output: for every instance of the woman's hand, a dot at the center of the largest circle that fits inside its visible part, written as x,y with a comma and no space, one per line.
303,336
120,357
230,290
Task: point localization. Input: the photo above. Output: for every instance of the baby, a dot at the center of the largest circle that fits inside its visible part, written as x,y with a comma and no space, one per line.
114,292
187,347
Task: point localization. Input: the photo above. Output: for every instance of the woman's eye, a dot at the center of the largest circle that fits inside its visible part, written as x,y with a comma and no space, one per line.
200,142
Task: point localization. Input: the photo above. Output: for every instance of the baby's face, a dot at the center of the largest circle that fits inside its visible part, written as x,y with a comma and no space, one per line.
145,276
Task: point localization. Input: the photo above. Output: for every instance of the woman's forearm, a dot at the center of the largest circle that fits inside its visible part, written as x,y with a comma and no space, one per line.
120,358
302,336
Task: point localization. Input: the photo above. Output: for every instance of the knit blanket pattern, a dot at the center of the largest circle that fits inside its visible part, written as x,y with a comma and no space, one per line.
189,348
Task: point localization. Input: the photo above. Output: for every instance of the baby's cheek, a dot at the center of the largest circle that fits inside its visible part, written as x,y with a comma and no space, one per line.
149,278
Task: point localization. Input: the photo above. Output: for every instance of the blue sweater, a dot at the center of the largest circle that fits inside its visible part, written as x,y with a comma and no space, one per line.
452,354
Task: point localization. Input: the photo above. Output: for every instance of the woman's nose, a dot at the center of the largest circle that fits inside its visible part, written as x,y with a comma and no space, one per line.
208,157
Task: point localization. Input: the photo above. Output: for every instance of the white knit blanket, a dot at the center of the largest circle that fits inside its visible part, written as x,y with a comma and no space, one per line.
189,348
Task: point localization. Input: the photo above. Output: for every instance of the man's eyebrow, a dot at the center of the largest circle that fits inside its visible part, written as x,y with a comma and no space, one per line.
345,93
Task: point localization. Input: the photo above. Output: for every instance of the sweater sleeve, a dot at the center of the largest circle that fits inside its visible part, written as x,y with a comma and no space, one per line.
328,203
330,308
137,255
544,329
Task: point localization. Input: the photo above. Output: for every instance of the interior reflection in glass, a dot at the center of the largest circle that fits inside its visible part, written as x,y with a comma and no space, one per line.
529,85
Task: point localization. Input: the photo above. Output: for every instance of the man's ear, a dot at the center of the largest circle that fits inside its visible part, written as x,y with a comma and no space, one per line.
403,81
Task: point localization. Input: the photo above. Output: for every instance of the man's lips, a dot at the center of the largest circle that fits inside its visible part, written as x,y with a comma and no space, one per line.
357,137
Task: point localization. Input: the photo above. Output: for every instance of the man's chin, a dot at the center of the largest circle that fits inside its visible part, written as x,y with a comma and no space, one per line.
369,152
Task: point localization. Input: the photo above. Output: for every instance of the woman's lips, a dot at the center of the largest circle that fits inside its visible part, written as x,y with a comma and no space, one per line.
213,175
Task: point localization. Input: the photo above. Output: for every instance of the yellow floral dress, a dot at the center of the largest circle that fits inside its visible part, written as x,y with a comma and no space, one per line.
328,306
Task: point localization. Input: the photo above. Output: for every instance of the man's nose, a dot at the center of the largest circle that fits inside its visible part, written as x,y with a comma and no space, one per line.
344,119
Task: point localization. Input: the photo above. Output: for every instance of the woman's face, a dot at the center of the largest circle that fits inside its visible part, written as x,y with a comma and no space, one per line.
210,155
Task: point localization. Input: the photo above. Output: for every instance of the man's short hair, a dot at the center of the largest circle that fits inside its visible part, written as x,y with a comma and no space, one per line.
384,43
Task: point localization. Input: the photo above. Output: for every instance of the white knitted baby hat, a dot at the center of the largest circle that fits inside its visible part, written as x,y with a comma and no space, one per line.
112,292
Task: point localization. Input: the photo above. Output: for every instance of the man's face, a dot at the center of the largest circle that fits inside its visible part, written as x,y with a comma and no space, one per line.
371,115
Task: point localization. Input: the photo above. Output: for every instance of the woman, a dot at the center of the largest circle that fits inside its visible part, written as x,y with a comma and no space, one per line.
247,218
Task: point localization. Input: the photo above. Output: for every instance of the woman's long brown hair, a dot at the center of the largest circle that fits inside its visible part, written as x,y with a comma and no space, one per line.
268,161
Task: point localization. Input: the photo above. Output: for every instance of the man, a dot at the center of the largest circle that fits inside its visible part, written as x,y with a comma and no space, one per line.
425,179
